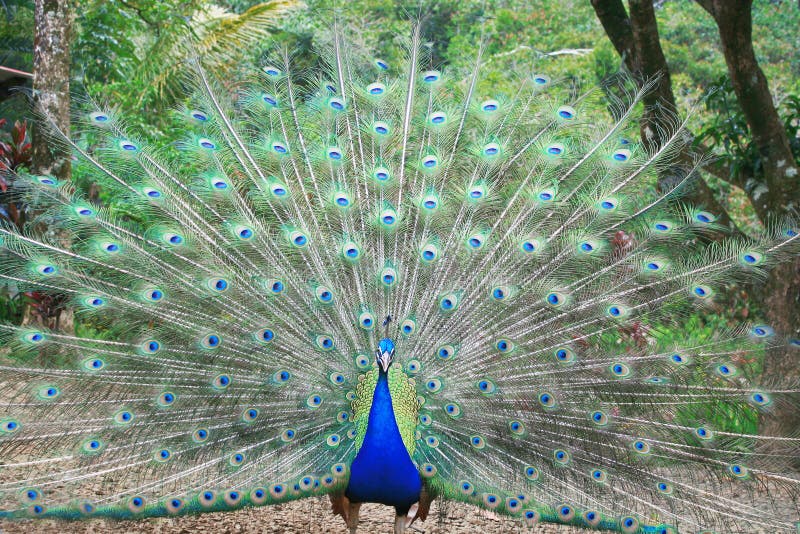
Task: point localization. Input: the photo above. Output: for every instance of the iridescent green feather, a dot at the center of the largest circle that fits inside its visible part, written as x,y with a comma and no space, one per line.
404,403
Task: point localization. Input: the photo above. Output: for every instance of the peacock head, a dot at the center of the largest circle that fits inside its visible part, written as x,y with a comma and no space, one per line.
385,353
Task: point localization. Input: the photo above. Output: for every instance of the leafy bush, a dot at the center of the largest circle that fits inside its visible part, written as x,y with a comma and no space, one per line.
726,131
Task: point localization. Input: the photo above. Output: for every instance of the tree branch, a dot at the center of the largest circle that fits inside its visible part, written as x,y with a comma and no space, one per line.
617,26
781,182
637,41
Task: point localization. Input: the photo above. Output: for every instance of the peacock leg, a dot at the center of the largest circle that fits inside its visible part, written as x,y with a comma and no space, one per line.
399,524
352,517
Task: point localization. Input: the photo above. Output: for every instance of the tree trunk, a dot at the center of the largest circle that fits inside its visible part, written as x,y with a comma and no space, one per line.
51,68
779,191
51,72
775,192
636,39
780,300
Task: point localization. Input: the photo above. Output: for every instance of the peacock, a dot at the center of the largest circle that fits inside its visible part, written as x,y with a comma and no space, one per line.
386,283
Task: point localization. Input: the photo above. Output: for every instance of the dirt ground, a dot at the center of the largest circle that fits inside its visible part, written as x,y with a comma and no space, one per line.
313,516
308,516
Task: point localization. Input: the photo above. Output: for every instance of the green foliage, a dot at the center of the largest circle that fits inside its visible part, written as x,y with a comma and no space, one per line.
220,39
12,305
790,111
16,35
720,416
108,44
88,328
16,52
700,327
133,53
691,44
518,36
726,131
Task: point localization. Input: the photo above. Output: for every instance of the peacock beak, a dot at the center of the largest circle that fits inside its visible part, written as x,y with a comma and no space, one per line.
385,360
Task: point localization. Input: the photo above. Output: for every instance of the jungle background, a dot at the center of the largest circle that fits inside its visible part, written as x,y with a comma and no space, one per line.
731,66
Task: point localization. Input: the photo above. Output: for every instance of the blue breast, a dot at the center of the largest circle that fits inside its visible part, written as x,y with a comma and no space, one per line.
382,471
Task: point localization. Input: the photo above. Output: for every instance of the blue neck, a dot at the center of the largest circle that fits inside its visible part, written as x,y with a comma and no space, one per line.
382,471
